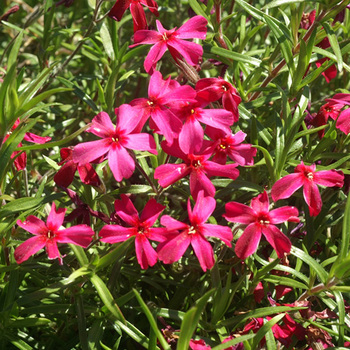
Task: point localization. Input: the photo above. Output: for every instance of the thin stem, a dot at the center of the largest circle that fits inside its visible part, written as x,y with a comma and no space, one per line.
138,166
276,70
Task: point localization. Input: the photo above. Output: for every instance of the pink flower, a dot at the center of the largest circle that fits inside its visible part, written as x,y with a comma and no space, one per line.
260,222
337,102
230,145
306,176
163,96
197,166
49,234
137,11
213,89
192,134
65,176
21,161
115,142
182,235
172,40
141,229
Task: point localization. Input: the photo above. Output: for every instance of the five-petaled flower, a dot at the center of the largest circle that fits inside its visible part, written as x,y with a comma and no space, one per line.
181,235
173,41
141,228
115,142
49,234
309,178
260,221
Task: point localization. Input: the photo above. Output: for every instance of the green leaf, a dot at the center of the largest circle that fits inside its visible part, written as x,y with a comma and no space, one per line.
333,40
197,8
190,321
235,56
107,41
152,321
314,265
107,297
232,342
134,333
284,40
269,162
277,3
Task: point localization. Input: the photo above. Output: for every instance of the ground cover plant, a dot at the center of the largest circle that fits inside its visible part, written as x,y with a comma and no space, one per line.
174,174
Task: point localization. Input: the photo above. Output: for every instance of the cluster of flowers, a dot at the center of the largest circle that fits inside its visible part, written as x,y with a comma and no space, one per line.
178,112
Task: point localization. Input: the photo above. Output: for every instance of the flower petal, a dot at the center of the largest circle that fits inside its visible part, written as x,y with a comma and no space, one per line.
215,169
172,250
191,136
65,176
126,210
204,252
86,152
312,198
286,186
117,11
167,174
248,242
28,248
80,235
140,142
237,212
52,250
146,255
329,178
151,212
55,219
138,16
277,239
283,214
121,163
172,224
116,233
102,126
222,232
199,181
33,225
203,208
343,122
154,55
191,52
195,27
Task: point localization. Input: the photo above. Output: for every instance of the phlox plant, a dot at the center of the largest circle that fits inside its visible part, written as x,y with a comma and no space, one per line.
174,174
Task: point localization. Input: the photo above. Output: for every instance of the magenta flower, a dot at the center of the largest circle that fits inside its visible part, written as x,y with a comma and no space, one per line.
182,235
65,176
172,40
306,176
230,145
141,228
192,134
214,89
49,234
136,9
337,102
260,222
115,142
197,166
163,95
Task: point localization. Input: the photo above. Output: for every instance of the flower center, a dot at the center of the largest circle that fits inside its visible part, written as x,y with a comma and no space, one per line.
150,103
192,230
224,87
196,163
50,234
165,37
263,220
310,176
141,230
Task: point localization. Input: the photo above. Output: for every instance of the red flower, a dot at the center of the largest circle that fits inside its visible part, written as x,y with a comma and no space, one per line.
199,345
141,229
195,234
197,166
214,89
64,177
307,177
260,222
137,11
49,234
172,40
115,142
230,145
